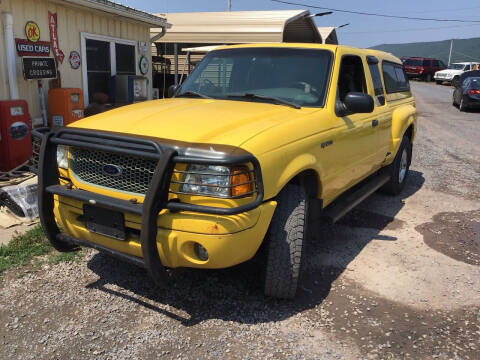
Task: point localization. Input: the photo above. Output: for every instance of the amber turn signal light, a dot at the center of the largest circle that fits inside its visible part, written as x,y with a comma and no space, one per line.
240,181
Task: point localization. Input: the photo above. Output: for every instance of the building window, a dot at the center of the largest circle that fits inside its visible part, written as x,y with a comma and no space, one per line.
125,58
98,67
105,57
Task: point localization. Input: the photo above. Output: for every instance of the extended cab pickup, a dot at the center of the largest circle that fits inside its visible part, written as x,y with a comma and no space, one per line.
232,165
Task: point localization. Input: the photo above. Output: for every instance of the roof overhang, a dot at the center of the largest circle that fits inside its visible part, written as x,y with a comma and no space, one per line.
238,27
113,8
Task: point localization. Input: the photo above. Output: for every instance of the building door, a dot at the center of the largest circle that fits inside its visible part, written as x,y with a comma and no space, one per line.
98,67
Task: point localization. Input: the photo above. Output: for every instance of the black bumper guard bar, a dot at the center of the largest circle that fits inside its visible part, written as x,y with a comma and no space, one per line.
155,200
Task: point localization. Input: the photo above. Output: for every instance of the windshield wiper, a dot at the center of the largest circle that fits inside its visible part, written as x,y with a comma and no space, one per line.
193,93
266,97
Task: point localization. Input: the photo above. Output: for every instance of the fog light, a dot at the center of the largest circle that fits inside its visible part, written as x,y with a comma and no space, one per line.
201,252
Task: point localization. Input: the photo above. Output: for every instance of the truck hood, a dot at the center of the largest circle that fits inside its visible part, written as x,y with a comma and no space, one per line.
194,120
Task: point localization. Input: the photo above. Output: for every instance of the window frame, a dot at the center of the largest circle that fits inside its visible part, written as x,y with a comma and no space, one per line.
405,75
373,61
84,36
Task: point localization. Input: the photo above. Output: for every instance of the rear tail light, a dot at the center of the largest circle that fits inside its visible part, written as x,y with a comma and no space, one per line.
473,92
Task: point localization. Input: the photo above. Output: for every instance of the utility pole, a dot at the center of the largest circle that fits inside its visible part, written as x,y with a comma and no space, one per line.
450,55
229,5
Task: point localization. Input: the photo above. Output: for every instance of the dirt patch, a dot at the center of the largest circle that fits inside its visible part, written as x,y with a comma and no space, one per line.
454,234
385,329
372,220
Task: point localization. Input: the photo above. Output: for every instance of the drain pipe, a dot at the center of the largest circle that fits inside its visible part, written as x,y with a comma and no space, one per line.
10,55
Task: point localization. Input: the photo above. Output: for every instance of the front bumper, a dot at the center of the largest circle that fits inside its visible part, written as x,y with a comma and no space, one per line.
153,244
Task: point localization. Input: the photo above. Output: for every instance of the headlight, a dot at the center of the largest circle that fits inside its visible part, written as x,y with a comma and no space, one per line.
62,161
217,181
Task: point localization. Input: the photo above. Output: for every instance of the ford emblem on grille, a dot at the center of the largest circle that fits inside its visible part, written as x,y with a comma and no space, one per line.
112,170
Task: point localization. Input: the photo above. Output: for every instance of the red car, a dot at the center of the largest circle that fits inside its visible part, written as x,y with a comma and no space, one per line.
423,68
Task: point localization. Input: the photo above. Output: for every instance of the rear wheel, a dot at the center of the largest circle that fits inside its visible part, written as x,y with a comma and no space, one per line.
286,242
438,82
428,77
399,169
462,106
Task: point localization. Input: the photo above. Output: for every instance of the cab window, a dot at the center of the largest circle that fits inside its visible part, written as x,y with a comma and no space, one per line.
394,77
377,82
352,77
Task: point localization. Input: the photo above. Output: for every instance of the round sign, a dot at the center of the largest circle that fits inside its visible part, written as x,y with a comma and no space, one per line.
18,130
144,65
32,31
75,60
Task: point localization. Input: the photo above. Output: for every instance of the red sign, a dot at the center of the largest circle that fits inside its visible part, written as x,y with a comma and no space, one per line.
52,24
28,48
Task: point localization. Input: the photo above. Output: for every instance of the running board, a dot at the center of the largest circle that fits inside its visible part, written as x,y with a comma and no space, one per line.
344,204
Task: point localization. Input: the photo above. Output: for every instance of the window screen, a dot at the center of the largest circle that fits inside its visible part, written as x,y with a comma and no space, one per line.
394,77
377,84
125,58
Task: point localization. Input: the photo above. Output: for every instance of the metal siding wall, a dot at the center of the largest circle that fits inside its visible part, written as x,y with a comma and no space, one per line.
71,21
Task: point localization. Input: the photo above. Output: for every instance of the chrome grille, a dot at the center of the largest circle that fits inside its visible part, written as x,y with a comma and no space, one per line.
89,166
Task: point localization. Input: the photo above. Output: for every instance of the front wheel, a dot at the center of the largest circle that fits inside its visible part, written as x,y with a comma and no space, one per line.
285,243
399,169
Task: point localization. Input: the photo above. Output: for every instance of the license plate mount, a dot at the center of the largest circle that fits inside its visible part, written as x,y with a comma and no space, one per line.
104,221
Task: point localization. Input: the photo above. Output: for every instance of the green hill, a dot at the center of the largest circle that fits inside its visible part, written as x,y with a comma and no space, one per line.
463,49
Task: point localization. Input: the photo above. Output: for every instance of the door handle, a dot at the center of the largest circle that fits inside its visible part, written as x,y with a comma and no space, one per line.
374,123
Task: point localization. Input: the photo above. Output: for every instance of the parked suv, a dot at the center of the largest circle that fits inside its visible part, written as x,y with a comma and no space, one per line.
453,72
423,68
256,140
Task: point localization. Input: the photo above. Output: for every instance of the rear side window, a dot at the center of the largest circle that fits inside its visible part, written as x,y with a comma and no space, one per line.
394,77
426,62
377,83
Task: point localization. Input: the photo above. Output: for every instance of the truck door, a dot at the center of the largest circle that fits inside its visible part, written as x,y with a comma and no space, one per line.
382,112
355,144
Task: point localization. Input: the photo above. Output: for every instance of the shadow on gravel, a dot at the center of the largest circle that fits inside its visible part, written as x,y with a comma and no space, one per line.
235,294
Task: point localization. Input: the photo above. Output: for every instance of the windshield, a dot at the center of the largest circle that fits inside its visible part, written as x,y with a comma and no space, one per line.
297,76
456,66
475,83
413,62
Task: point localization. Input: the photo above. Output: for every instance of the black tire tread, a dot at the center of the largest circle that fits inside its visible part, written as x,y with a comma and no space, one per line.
393,187
286,242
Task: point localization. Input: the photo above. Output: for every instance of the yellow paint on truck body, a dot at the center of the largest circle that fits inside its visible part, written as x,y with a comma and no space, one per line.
341,151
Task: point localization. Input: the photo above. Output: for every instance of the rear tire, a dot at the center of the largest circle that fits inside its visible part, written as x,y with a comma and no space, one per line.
286,242
462,106
399,169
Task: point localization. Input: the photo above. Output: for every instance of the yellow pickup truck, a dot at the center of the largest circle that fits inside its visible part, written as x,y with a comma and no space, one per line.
254,140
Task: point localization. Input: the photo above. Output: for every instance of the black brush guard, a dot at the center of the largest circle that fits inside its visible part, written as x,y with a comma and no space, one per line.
155,200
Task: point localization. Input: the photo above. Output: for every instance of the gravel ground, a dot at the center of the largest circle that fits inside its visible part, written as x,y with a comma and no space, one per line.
396,278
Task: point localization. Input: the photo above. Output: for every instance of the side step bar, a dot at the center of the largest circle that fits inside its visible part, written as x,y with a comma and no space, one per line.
343,205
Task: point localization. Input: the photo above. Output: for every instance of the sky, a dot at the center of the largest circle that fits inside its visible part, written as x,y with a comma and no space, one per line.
362,31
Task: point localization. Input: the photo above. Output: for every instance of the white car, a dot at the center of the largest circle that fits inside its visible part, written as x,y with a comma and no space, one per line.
453,72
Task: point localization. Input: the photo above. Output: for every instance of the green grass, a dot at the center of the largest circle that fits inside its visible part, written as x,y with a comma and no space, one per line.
23,248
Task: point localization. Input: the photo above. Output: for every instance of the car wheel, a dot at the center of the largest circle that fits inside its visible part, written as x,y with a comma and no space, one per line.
456,81
286,242
453,101
462,106
438,82
399,169
428,77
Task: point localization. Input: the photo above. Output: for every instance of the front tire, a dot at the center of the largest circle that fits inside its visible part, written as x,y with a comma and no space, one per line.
456,81
399,169
286,242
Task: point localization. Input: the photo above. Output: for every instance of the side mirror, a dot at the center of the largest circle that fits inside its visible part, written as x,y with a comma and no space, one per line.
172,90
357,102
